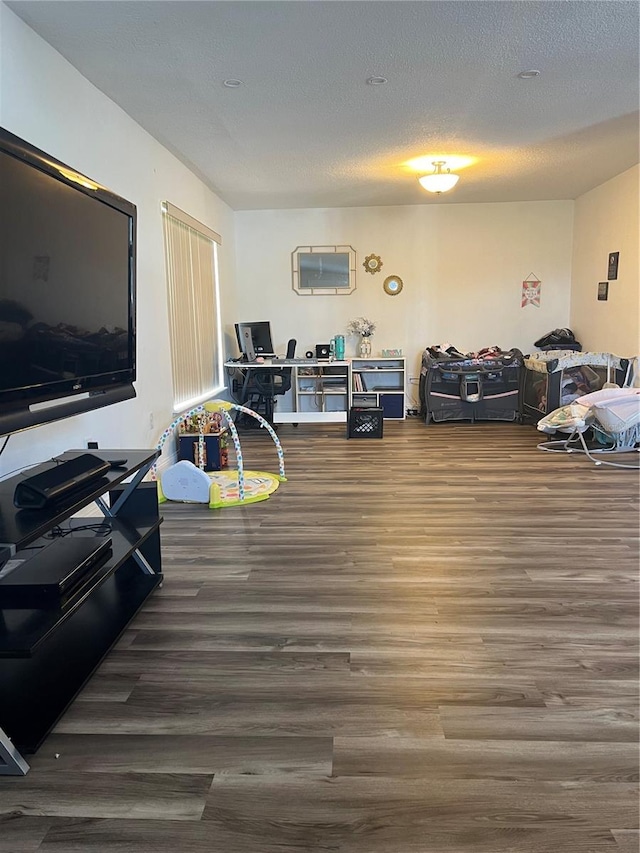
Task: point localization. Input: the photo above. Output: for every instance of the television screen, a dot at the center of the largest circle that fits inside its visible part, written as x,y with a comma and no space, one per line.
67,282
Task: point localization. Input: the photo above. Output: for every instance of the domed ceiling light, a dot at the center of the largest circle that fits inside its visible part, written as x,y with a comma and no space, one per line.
440,181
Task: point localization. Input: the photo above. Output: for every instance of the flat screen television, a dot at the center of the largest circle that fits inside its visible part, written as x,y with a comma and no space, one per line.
67,290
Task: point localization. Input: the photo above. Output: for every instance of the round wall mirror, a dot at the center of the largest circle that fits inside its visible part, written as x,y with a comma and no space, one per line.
392,285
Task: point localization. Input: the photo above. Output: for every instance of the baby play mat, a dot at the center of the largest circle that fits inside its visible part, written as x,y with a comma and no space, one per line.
189,483
258,485
186,483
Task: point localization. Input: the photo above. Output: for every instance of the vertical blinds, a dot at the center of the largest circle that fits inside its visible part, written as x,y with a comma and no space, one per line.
191,264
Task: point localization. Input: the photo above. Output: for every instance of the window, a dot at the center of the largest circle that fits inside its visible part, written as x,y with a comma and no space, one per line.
191,256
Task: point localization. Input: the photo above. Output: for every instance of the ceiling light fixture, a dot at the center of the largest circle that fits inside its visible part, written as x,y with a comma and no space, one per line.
440,181
376,81
232,84
529,75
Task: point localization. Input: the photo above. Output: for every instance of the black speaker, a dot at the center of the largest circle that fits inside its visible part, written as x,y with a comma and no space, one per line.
323,350
141,507
141,503
52,486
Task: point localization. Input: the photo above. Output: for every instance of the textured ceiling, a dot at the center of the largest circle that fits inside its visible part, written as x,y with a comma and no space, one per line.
306,130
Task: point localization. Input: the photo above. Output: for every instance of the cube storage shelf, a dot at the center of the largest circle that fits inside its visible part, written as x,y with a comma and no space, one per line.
379,383
319,393
322,388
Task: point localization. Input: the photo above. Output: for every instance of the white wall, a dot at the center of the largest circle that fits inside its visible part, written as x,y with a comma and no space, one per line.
462,268
606,220
462,265
45,101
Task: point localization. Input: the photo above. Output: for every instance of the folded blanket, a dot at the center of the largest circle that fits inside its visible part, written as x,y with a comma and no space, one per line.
618,415
598,398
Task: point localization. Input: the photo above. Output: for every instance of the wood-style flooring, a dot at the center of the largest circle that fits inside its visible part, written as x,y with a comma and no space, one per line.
420,644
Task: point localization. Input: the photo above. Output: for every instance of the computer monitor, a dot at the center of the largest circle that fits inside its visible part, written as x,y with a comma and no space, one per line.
258,334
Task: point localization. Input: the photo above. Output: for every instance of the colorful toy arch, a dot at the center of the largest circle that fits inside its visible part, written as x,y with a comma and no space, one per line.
227,488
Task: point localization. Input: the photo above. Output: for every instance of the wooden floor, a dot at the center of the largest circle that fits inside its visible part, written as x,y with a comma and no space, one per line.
420,644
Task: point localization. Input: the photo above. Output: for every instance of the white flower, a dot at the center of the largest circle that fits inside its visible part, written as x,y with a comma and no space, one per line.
361,326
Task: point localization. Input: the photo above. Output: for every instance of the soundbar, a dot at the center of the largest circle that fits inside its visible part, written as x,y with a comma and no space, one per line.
56,484
54,574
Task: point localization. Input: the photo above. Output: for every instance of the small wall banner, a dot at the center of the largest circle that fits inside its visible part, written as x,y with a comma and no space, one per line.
531,291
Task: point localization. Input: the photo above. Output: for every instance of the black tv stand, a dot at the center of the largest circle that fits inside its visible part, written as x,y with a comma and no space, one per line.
47,654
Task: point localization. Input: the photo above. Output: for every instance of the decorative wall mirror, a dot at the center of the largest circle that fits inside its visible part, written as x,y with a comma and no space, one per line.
373,263
392,285
327,270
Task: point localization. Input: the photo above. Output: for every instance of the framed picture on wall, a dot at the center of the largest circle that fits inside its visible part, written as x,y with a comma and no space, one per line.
531,292
603,291
612,274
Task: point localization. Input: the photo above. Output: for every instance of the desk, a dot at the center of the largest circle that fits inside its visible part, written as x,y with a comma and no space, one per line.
319,390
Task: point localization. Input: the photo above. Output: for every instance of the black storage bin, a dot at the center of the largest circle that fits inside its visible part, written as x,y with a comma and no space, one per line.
392,405
214,450
365,423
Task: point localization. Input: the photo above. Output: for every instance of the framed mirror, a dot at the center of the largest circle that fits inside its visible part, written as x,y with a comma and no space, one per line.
326,270
393,285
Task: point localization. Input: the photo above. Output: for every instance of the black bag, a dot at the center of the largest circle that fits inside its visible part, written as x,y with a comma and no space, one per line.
558,339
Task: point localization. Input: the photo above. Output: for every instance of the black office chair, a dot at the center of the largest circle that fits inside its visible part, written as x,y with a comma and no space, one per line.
266,383
291,348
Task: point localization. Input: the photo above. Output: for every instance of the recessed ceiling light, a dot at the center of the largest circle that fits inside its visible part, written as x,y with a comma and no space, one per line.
529,75
232,84
376,81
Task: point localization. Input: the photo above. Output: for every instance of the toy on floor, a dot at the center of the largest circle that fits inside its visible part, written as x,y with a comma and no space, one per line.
187,482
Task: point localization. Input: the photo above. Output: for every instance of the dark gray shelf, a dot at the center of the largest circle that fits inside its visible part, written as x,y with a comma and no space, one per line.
47,655
20,527
37,690
22,630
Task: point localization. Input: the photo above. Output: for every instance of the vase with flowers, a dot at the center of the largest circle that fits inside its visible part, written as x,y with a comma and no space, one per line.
365,328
